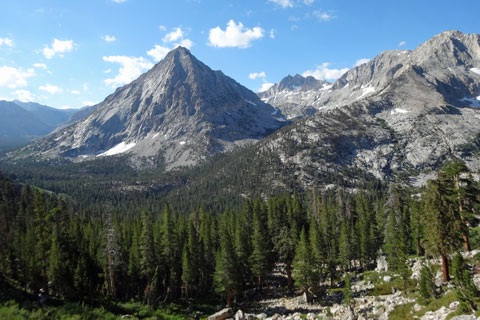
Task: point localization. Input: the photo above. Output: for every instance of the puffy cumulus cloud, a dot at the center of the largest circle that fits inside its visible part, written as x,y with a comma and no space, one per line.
13,78
186,43
172,40
158,52
402,43
50,88
24,95
265,86
108,38
6,42
235,35
360,62
256,75
175,35
58,47
130,68
283,3
323,72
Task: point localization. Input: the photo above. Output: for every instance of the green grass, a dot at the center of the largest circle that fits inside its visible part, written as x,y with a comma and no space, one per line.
77,311
383,288
402,312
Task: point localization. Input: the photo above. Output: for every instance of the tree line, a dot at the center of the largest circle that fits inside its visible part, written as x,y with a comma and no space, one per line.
164,255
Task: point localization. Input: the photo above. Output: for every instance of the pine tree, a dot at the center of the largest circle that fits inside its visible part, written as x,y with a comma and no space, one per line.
467,293
147,252
260,258
304,272
42,235
226,276
427,284
441,215
112,253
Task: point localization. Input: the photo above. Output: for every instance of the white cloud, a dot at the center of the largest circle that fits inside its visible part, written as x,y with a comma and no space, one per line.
89,103
322,72
322,15
402,43
40,66
174,35
109,38
66,107
24,95
50,88
59,47
107,71
6,41
75,92
256,75
265,86
272,33
235,35
187,43
119,1
158,52
308,2
12,78
130,68
360,62
162,28
85,87
283,3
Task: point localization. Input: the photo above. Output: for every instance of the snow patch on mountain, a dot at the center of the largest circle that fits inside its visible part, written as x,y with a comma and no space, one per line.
399,110
367,90
475,70
118,149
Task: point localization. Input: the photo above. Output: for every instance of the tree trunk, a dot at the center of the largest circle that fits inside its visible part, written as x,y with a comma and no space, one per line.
289,278
466,243
446,276
260,283
229,298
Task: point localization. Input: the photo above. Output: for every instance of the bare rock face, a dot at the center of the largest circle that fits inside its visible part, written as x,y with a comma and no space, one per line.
178,113
294,96
403,111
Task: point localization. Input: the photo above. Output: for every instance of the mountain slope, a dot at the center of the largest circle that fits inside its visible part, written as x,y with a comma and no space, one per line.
48,115
294,95
404,111
446,58
18,126
178,113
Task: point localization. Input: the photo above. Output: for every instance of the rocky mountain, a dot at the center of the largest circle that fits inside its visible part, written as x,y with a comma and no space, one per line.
402,112
294,96
50,116
450,56
177,113
23,122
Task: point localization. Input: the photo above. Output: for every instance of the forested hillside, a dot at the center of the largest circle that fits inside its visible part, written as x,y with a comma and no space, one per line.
165,255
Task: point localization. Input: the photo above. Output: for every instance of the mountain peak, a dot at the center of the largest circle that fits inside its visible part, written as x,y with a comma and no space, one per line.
177,114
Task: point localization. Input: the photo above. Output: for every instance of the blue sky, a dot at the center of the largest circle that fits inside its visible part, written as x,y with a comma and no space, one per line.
74,53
